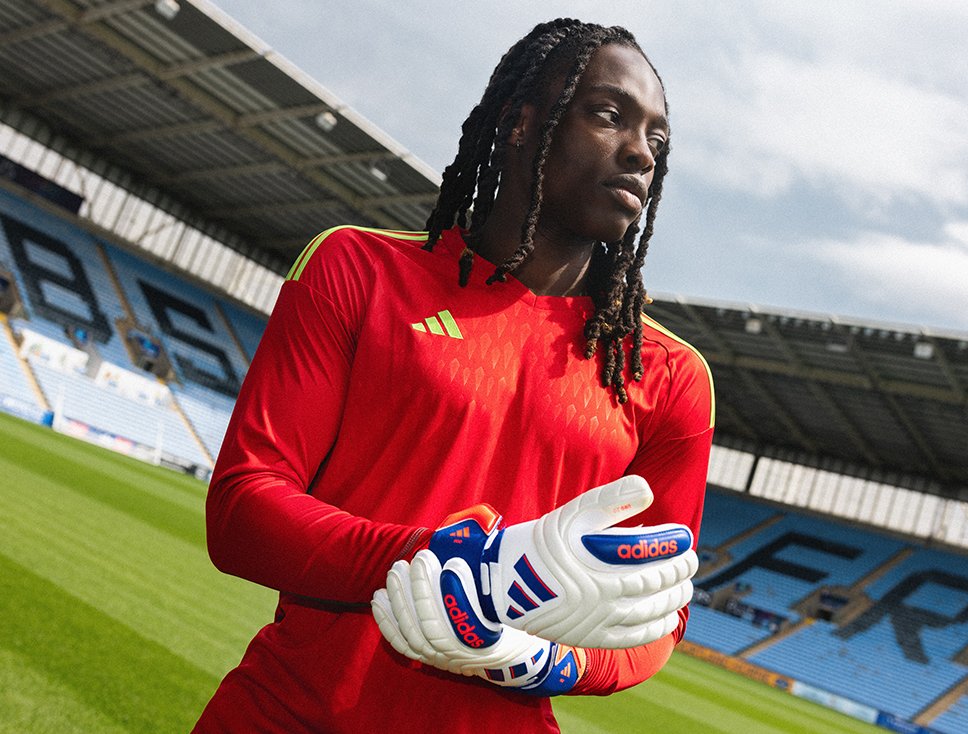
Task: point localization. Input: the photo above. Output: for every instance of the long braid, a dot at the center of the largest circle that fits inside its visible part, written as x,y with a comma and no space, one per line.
471,182
640,298
507,88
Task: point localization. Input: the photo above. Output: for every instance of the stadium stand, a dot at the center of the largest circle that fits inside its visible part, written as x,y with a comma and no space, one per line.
14,385
85,296
246,326
955,719
145,422
877,619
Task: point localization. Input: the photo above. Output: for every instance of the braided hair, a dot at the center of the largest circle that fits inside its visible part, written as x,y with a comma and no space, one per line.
469,184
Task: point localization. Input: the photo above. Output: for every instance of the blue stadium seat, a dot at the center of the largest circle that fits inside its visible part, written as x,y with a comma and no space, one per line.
79,398
954,720
732,514
784,562
248,327
722,632
208,411
870,668
13,381
185,319
67,289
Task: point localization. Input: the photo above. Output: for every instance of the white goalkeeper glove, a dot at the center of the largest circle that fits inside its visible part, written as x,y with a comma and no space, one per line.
569,576
417,621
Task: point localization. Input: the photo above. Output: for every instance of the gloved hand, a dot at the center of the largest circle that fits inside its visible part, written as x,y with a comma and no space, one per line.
417,621
569,576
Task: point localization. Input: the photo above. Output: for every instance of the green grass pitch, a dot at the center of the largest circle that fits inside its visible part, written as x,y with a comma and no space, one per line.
114,620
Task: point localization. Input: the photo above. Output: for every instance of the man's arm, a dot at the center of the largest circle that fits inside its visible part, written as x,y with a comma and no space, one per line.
262,524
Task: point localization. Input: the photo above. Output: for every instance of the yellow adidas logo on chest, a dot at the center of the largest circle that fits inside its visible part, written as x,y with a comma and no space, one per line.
442,324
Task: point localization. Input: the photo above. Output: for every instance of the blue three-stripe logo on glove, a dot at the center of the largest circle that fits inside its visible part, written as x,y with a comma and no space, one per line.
528,587
515,671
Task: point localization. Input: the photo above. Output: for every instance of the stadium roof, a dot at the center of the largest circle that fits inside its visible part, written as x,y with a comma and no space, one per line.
886,397
192,104
201,110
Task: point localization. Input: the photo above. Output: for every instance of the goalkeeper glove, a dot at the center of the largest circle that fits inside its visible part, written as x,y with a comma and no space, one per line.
569,576
416,620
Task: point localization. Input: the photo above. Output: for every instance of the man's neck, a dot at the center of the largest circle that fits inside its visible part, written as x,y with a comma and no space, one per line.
556,267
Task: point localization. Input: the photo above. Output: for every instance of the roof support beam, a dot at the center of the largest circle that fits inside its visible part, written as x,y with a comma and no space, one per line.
30,32
133,79
216,172
211,107
778,410
98,86
895,387
282,207
821,395
276,166
709,333
64,21
309,205
901,416
945,367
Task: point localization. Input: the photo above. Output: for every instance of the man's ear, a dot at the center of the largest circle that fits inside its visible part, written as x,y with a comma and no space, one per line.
525,126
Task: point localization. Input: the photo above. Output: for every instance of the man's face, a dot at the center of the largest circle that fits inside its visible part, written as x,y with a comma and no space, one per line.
602,157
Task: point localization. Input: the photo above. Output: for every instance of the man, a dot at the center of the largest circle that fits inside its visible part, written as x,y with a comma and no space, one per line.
400,379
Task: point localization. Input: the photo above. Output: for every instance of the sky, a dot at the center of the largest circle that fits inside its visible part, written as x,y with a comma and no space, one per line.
819,149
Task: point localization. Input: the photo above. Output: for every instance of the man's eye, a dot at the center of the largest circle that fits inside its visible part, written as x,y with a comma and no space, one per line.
656,145
608,113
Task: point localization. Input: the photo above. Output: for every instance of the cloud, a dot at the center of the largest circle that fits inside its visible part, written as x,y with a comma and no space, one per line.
902,276
775,118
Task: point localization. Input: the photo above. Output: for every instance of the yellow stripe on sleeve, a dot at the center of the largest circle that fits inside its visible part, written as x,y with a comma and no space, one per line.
300,264
709,374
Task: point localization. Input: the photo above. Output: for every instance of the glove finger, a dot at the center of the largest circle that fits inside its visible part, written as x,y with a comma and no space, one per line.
658,575
450,639
634,612
430,611
642,634
603,506
448,607
622,622
404,609
386,621
432,617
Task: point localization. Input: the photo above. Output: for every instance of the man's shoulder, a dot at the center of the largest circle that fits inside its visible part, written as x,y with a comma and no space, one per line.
677,347
347,243
686,372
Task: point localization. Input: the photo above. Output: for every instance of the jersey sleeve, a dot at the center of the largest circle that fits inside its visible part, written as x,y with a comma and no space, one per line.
674,460
262,523
608,671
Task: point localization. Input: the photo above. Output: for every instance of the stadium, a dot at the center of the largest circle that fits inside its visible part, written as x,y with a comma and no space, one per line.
160,171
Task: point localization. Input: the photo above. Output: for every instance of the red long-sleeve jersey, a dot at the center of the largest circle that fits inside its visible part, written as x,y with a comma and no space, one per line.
382,398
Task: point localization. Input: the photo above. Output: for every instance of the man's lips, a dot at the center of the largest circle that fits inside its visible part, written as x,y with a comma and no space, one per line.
631,189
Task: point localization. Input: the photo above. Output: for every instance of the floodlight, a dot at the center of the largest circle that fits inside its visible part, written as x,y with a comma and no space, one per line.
326,120
167,9
379,173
